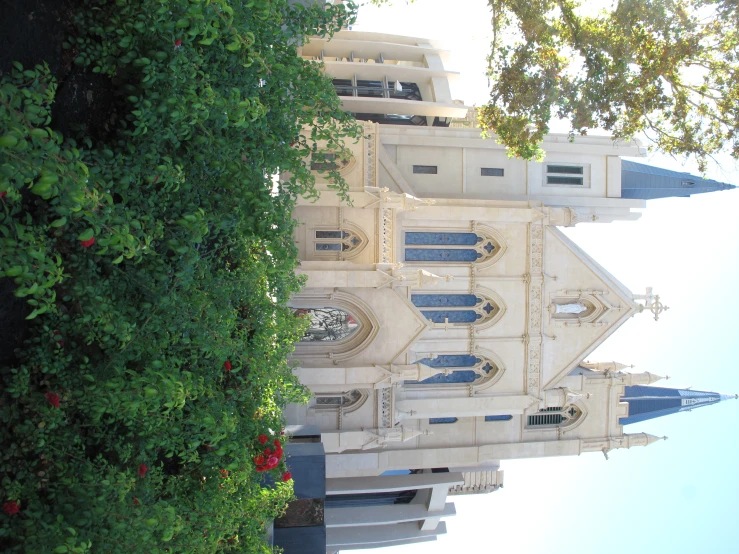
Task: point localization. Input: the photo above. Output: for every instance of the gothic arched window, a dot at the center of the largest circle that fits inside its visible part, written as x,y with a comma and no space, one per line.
448,247
458,309
458,368
337,240
327,324
342,162
554,417
343,400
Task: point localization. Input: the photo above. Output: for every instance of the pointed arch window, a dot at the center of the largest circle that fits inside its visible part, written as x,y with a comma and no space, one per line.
457,309
554,417
343,400
342,162
327,324
337,240
458,368
434,246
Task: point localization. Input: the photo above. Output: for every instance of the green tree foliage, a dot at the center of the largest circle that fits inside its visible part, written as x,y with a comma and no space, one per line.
158,263
667,68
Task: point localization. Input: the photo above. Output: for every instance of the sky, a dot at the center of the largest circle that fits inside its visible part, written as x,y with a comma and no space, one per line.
677,495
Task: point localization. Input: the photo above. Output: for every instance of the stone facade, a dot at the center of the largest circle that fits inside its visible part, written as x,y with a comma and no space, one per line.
451,317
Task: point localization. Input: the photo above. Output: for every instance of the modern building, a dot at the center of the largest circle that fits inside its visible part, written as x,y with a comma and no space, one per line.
451,318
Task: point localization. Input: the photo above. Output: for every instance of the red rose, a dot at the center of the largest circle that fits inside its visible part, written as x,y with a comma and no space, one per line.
142,470
267,452
278,453
287,476
87,243
227,365
277,443
260,469
262,439
53,399
259,460
177,43
11,508
272,461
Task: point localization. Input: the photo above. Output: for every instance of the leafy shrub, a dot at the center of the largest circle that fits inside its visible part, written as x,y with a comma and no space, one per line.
156,257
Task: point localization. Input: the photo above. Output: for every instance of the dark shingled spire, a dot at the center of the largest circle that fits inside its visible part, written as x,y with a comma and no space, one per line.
647,402
647,182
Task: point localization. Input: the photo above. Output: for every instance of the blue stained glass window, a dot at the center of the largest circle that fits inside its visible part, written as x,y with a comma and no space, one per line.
463,239
453,377
438,420
441,255
498,417
444,300
451,360
456,316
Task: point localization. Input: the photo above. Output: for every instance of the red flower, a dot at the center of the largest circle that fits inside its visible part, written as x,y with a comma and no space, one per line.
227,365
259,460
267,452
136,501
87,243
142,470
278,453
282,432
277,443
272,462
260,469
177,43
262,439
287,476
53,399
224,474
11,508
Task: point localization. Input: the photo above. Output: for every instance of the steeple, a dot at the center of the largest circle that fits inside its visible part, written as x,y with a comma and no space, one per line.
647,402
647,182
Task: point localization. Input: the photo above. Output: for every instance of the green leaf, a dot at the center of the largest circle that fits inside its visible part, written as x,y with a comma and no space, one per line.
235,45
86,235
59,222
8,141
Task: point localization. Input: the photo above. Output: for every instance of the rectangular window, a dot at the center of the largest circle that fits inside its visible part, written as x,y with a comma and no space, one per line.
491,171
572,175
425,169
442,420
498,417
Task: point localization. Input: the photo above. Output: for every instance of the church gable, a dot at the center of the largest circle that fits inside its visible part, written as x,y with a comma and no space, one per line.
580,309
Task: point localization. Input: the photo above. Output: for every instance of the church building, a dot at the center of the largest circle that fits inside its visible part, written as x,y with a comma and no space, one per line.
451,318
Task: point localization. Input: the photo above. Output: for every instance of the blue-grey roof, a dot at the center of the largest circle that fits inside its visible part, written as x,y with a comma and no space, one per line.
646,402
647,182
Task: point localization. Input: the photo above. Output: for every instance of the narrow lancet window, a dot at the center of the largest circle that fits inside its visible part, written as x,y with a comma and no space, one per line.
454,308
447,247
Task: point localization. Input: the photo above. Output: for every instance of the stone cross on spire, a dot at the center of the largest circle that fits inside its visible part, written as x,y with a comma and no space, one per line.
651,303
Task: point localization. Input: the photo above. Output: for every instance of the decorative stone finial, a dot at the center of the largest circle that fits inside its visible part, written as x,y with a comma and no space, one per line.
651,303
